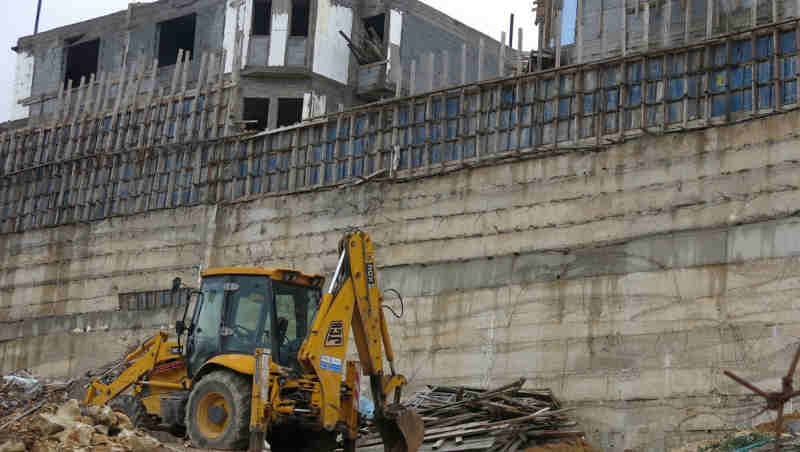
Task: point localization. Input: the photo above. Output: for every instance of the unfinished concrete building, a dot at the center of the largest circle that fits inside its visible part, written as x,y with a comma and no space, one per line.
291,56
581,31
620,230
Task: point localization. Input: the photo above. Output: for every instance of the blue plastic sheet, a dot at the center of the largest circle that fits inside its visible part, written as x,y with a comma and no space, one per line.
588,104
635,95
788,42
366,407
612,99
675,89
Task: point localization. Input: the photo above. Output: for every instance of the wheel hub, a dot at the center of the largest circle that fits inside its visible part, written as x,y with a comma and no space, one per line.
217,414
213,414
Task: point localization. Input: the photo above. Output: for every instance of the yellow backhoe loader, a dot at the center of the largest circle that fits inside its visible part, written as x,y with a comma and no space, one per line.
261,355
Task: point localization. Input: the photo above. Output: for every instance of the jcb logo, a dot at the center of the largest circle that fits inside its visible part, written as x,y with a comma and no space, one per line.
335,335
371,275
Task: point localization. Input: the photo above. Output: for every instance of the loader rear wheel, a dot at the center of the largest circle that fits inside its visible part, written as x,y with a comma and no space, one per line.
218,411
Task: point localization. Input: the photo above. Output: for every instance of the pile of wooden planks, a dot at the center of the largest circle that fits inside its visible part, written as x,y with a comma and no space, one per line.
506,419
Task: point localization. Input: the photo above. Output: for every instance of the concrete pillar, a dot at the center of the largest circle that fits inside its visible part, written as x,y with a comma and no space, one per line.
395,66
464,63
429,68
519,50
501,56
279,33
754,13
540,53
481,59
603,35
127,47
623,41
710,17
687,20
579,32
272,115
665,39
412,81
398,80
646,26
445,79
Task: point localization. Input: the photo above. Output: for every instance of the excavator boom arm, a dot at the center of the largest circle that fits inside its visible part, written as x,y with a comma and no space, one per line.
354,302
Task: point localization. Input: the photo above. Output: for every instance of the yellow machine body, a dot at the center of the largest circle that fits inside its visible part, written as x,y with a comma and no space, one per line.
320,393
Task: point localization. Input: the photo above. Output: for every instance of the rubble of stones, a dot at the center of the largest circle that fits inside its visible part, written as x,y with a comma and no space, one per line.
71,427
39,416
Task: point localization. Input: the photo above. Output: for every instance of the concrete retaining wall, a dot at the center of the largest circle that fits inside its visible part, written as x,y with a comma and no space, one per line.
626,279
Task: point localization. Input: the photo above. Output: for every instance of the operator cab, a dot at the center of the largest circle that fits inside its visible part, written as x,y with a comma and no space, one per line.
240,309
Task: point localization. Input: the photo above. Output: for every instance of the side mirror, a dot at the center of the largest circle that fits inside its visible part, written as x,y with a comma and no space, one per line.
180,327
176,285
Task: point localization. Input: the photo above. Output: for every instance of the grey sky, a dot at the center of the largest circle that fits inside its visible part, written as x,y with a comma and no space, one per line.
20,15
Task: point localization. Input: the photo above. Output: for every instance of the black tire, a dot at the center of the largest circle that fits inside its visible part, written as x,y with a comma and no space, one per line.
234,433
133,408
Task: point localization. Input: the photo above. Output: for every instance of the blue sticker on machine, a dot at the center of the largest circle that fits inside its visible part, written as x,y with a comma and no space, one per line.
331,363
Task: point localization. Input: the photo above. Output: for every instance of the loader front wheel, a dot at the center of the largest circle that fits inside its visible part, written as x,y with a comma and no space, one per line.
218,411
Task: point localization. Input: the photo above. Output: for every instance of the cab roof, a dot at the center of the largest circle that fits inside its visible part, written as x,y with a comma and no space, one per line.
272,273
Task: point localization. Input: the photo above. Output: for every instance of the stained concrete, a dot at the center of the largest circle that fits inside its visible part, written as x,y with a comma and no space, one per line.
626,278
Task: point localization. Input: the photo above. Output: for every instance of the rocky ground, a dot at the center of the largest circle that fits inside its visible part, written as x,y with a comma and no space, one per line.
73,428
39,415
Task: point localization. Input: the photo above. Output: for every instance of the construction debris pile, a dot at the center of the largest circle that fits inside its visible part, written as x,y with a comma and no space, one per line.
73,428
503,419
38,415
22,392
760,438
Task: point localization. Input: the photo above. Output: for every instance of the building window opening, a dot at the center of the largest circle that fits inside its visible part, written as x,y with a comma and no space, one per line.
256,111
289,111
376,24
300,17
569,21
176,34
262,17
82,60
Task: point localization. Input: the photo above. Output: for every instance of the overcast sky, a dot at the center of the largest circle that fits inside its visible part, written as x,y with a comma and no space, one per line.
20,17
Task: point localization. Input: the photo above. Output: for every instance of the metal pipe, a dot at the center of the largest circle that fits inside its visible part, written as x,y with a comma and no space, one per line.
38,14
511,32
336,273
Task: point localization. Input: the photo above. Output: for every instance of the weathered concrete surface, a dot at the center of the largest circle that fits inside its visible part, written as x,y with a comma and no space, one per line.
626,279
71,345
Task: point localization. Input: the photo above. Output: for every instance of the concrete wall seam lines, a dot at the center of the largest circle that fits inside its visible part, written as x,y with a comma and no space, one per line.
651,264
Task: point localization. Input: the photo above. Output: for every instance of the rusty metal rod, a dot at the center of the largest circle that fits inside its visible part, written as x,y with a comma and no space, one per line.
792,368
746,384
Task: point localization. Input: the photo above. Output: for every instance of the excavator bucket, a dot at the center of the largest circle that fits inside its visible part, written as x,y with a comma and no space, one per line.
401,429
